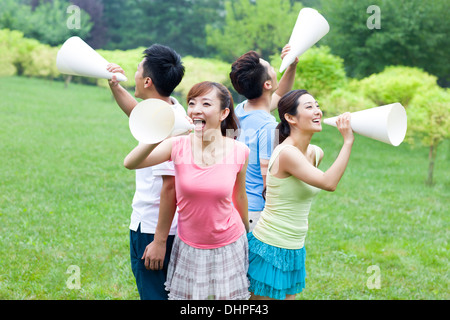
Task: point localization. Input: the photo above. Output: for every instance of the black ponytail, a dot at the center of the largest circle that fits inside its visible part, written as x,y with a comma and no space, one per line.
283,130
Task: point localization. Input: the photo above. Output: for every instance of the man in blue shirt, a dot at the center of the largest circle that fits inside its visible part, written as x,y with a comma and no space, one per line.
256,79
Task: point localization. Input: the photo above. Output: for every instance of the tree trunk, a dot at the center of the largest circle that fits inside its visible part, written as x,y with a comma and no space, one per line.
431,159
67,81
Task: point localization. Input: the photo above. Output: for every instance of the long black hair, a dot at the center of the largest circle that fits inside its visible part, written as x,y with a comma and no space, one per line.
288,104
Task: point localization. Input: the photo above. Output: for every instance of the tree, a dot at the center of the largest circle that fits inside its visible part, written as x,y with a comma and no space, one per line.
262,25
98,35
429,119
124,19
412,33
203,69
179,24
46,23
427,105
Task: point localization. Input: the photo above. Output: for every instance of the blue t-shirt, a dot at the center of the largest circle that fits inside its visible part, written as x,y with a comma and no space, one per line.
258,133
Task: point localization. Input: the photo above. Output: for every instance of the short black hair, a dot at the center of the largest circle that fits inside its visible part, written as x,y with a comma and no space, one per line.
163,65
248,75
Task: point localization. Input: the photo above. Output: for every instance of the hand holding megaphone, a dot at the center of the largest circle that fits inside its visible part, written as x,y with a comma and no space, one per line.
286,49
343,123
115,69
154,120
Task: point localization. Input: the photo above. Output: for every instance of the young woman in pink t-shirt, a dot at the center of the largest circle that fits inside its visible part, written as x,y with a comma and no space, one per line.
209,258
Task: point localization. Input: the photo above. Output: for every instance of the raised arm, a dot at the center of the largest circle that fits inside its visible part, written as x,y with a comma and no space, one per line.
266,143
294,162
123,98
147,155
287,80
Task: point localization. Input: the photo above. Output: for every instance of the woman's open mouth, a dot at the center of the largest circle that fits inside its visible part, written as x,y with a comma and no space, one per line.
199,123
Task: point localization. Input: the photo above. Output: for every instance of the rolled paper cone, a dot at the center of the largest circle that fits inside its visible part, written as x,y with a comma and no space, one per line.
181,125
119,76
287,61
151,121
77,58
309,28
154,120
387,123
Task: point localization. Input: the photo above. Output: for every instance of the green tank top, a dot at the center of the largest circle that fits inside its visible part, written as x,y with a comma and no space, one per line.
284,220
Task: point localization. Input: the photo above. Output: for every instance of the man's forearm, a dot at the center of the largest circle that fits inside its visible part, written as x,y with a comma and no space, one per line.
124,99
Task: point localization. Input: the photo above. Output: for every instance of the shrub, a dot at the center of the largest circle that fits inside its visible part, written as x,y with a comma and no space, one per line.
10,41
345,99
396,84
23,56
261,25
318,71
41,62
196,70
202,69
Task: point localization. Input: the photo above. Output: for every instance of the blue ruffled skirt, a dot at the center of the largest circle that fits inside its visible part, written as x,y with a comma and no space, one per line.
275,272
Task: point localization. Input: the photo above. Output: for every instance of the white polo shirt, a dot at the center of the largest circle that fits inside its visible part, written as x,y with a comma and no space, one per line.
146,198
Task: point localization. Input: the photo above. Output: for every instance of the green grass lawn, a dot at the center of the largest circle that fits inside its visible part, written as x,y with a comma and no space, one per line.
65,199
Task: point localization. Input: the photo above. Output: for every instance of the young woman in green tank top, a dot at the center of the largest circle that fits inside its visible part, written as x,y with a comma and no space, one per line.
276,245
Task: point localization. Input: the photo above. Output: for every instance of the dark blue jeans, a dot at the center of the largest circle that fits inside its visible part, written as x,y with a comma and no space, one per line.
150,283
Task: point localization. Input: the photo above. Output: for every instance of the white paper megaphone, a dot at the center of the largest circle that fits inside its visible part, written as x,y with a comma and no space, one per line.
77,58
309,28
387,123
154,120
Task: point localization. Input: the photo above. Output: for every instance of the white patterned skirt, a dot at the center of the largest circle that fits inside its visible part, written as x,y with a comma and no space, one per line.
208,274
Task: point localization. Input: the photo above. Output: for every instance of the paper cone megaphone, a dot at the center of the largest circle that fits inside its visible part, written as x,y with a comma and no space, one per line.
154,120
310,27
387,123
77,58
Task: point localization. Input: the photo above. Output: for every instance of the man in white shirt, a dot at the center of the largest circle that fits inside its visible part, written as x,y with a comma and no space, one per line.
255,79
157,75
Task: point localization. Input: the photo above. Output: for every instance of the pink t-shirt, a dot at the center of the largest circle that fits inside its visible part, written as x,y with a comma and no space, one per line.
207,218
